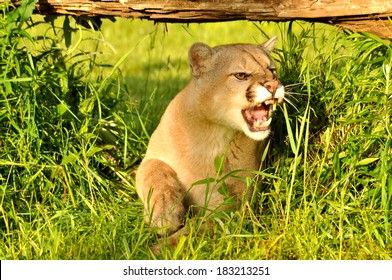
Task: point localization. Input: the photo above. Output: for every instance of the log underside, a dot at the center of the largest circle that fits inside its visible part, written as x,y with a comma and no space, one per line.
358,15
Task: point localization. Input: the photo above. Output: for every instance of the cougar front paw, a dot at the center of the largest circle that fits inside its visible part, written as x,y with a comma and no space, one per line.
166,211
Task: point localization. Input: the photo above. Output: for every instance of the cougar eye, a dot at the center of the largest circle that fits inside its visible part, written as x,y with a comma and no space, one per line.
241,76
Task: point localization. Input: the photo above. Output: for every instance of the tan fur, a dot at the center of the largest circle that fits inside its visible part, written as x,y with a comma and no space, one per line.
205,120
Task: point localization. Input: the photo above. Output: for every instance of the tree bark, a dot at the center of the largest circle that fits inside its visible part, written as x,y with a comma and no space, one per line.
371,15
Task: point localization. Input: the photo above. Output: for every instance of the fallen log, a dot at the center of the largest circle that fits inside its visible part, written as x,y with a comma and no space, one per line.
359,15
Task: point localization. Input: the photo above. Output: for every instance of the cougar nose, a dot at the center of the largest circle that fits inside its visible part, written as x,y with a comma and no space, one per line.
271,86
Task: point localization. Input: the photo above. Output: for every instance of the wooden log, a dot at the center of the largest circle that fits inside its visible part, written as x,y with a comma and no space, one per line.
371,15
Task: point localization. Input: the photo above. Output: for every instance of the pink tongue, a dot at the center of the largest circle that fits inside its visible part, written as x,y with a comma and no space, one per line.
260,113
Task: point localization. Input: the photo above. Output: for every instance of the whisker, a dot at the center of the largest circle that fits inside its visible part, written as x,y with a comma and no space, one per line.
292,96
294,93
292,85
288,101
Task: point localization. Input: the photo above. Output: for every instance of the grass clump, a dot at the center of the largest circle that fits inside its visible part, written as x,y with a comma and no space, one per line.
57,187
76,113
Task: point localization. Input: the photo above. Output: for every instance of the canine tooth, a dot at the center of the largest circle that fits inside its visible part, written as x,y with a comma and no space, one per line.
258,104
274,106
257,124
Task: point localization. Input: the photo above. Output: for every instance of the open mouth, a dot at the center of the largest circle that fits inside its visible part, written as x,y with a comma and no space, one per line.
258,117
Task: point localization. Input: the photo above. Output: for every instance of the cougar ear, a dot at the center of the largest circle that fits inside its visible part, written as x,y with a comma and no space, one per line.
200,58
270,44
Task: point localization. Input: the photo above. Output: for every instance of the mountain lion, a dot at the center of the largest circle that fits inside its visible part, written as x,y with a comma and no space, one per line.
224,111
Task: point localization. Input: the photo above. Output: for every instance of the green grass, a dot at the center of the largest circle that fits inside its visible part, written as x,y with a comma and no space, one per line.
77,107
